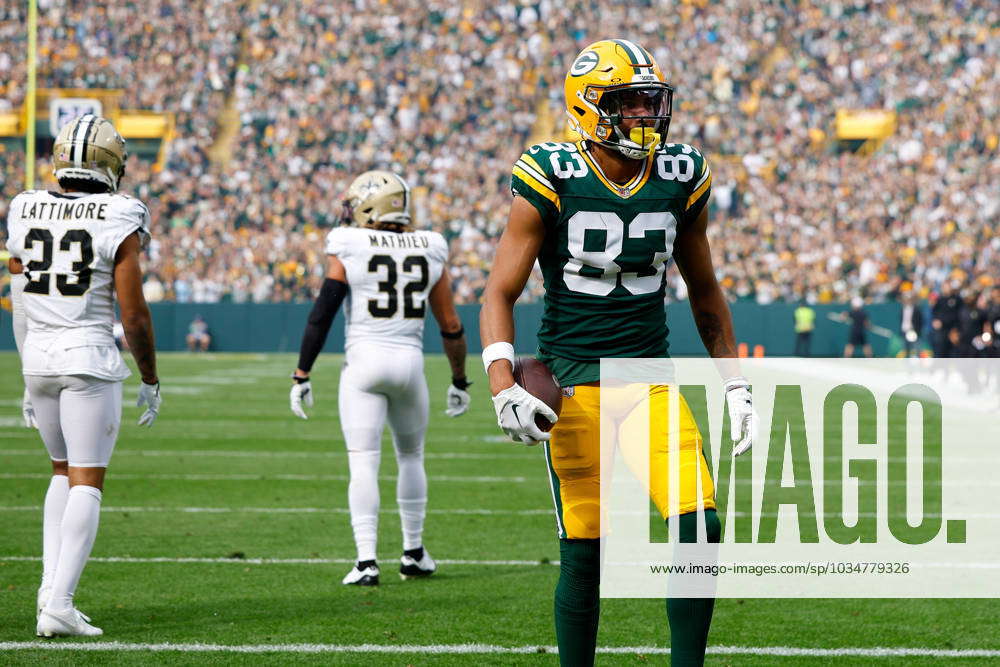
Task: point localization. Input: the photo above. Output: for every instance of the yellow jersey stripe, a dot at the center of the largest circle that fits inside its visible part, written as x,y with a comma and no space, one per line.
696,195
705,173
538,175
533,183
530,161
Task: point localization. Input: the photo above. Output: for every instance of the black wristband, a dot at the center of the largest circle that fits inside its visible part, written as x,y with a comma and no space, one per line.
460,383
453,336
299,379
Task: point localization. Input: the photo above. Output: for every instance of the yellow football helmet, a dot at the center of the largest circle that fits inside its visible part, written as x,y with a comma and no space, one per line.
378,200
609,80
89,148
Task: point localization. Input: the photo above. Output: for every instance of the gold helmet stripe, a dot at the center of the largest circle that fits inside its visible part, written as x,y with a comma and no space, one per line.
73,142
91,129
80,135
636,54
406,193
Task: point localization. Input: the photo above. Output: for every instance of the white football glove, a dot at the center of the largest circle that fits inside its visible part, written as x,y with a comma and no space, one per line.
516,410
28,411
149,395
458,401
301,394
743,419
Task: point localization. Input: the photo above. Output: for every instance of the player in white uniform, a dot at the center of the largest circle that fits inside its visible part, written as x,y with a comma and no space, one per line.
389,274
77,248
17,282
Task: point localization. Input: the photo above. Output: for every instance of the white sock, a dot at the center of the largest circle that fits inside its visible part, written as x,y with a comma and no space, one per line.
411,496
363,499
55,506
79,528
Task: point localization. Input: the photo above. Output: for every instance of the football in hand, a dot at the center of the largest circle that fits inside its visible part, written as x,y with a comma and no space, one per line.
536,379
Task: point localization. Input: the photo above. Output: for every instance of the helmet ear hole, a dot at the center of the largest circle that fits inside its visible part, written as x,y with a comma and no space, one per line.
580,112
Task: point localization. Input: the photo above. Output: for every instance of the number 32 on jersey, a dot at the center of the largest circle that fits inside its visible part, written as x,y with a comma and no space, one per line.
580,272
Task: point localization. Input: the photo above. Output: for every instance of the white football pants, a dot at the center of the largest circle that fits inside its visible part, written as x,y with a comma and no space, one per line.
78,417
380,382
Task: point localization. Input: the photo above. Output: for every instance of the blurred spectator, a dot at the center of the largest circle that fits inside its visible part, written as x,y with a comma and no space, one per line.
449,95
198,337
859,324
911,324
805,322
945,320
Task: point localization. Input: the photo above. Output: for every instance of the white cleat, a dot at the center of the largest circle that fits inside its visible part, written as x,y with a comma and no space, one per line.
44,593
363,576
69,623
411,568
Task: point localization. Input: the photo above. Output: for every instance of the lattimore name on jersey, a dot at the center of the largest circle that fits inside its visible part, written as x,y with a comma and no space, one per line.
63,210
67,244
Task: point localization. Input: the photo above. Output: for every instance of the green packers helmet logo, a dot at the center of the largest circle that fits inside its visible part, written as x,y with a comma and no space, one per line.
585,63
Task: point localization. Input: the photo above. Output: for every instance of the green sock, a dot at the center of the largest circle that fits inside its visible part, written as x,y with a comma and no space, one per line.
578,601
690,618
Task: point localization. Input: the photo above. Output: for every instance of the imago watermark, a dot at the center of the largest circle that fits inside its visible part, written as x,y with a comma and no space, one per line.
867,478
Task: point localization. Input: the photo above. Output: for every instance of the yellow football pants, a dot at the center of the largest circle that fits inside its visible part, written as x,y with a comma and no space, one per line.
574,453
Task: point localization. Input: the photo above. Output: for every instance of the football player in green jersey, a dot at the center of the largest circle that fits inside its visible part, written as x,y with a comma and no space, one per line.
604,216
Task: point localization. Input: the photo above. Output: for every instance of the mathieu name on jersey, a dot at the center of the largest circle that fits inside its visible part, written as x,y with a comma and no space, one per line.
390,275
606,250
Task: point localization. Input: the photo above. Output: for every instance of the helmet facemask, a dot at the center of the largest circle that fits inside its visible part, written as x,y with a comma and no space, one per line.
616,105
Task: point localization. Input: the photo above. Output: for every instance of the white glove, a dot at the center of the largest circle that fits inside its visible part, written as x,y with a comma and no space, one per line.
301,394
149,395
516,410
743,419
28,411
458,401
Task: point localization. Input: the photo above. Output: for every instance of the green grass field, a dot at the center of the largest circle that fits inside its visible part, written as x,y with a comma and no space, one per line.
228,475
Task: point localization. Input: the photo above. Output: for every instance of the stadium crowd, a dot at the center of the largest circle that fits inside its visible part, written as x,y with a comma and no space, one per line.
450,94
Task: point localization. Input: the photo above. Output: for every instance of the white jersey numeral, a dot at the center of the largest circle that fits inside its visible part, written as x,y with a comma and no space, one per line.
675,167
414,302
596,272
577,168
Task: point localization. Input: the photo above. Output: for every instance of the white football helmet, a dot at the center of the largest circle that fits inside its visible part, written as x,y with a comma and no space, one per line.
89,148
378,200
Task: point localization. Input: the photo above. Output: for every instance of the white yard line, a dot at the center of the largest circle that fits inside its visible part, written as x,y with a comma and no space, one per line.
395,510
287,510
194,477
275,561
491,649
196,560
251,454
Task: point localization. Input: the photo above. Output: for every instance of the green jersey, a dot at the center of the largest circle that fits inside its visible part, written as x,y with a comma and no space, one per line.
606,250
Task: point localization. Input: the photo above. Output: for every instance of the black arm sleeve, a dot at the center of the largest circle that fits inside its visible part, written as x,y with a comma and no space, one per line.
320,319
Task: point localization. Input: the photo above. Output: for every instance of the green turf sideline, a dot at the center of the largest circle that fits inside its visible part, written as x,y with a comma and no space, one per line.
274,561
486,649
